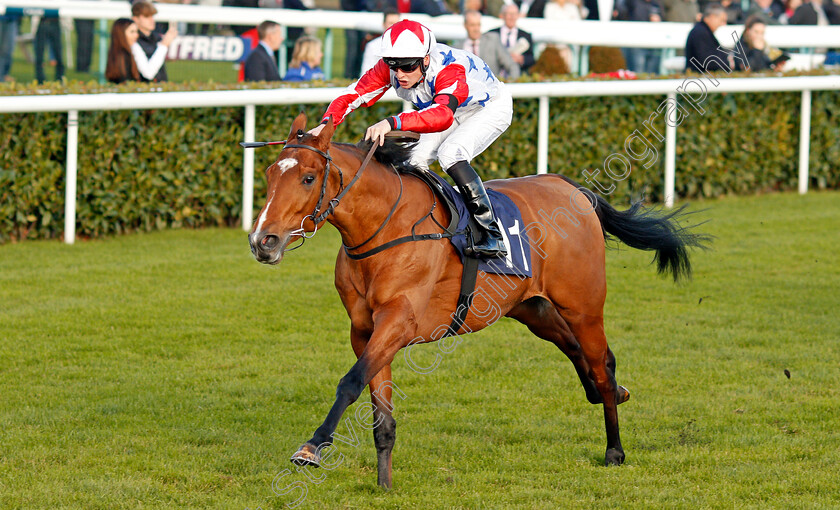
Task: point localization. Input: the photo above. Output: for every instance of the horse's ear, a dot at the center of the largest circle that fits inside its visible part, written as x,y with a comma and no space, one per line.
326,135
298,124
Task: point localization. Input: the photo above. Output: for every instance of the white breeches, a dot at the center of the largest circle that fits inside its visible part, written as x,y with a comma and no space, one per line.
468,136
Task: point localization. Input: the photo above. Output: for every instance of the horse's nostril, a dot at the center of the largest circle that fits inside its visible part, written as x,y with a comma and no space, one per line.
270,242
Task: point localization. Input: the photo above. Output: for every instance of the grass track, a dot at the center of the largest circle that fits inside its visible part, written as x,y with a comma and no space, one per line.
170,370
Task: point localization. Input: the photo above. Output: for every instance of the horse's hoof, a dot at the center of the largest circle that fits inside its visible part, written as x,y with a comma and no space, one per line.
614,457
307,455
623,394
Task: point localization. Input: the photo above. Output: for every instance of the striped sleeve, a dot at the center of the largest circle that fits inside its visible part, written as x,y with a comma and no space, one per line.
451,84
366,91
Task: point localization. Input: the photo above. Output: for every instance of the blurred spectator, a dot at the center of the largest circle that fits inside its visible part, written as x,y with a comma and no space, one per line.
681,11
517,42
766,10
756,49
292,33
734,12
150,49
488,47
592,7
306,60
702,50
790,8
372,48
473,5
353,40
261,64
565,10
8,37
485,7
816,12
121,66
430,7
643,60
241,29
49,33
84,44
530,8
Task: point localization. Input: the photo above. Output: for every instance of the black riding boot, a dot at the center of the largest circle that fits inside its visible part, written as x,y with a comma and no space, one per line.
492,243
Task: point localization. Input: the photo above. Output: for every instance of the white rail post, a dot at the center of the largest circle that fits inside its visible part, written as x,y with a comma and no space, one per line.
70,186
248,170
804,141
542,137
670,155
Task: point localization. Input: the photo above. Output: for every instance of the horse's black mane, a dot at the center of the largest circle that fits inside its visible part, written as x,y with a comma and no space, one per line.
396,152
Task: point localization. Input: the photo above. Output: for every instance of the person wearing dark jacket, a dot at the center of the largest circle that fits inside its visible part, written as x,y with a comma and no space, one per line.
518,42
702,49
816,12
643,60
154,46
261,64
755,47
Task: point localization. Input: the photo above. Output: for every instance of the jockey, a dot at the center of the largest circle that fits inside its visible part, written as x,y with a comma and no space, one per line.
462,109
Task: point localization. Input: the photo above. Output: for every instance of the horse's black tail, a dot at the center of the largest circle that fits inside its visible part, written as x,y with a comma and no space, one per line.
650,229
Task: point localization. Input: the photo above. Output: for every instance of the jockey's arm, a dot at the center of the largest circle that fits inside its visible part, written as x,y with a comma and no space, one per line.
452,91
364,92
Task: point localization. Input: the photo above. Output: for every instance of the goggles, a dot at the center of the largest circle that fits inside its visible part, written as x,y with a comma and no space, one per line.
405,65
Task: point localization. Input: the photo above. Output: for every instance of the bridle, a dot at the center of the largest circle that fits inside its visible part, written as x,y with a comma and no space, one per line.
317,216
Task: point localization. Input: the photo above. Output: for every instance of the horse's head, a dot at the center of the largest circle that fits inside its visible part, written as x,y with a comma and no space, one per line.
297,190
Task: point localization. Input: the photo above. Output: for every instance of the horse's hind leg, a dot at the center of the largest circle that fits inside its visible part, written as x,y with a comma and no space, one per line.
582,339
589,330
623,393
543,319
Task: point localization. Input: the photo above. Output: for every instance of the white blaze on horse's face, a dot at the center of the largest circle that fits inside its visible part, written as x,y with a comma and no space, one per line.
259,226
292,195
285,164
282,165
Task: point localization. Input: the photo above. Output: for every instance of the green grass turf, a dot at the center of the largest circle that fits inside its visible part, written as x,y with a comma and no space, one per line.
170,370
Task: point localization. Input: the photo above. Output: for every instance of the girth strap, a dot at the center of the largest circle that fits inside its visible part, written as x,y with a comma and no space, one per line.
465,297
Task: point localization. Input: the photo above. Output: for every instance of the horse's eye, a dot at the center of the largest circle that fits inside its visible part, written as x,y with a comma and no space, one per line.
308,179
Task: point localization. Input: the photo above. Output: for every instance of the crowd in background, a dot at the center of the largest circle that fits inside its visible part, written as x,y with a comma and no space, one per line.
138,45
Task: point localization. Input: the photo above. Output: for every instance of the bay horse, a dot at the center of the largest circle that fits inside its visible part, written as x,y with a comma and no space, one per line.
401,296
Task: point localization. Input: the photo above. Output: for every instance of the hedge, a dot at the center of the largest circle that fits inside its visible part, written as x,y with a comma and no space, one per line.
171,168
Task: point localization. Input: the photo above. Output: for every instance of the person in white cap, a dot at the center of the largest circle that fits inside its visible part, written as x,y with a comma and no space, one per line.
461,109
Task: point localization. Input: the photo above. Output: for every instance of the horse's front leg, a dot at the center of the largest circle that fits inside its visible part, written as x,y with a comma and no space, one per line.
394,328
384,424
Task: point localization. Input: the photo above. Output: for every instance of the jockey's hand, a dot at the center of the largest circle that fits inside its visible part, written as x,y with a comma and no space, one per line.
317,130
378,131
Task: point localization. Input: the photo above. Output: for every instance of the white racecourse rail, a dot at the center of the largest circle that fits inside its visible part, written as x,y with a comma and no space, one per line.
620,34
670,88
666,36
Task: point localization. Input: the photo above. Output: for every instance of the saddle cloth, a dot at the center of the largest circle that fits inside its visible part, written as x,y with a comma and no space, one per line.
518,259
